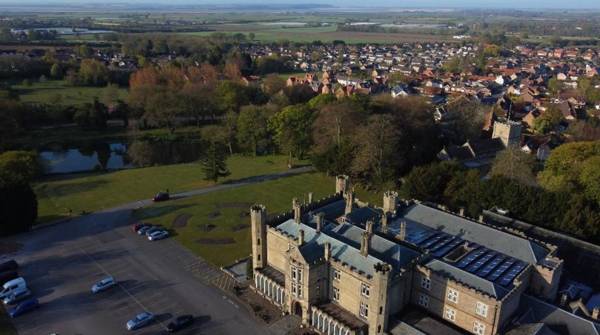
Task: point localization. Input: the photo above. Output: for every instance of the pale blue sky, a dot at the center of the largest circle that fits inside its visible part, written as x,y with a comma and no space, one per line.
531,4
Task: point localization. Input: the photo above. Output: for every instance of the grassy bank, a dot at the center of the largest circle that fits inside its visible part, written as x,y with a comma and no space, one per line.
60,92
218,224
93,192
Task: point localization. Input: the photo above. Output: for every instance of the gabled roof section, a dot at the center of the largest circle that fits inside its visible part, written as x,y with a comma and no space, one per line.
511,245
495,290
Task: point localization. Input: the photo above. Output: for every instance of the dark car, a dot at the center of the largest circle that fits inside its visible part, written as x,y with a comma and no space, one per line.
144,229
138,226
179,323
8,275
24,307
161,196
9,266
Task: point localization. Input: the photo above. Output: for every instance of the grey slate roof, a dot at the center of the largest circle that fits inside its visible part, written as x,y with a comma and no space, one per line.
314,244
511,245
534,310
469,279
392,253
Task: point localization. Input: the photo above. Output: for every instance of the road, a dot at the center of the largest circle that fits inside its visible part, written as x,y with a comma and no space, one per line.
61,262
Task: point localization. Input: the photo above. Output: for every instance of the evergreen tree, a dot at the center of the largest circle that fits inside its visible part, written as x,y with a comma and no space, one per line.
214,163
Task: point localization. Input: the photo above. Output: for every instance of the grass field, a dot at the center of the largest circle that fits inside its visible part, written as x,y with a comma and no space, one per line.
97,191
218,229
324,34
59,91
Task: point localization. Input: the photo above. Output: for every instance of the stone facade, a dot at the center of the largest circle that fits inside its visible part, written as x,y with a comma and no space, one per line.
351,274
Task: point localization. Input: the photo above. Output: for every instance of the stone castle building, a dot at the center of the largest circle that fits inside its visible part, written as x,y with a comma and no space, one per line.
348,268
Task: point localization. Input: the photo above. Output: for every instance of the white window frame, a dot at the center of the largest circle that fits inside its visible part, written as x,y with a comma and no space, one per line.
424,300
450,314
481,309
452,295
478,328
364,310
365,290
426,283
336,294
337,274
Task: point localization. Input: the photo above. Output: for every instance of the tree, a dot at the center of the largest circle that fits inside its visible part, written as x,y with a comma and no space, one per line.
231,96
214,163
463,121
554,86
429,182
292,128
92,115
377,141
590,178
548,121
56,71
252,129
21,166
273,84
93,72
18,206
513,163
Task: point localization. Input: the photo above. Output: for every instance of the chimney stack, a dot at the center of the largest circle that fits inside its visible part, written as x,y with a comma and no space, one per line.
341,184
349,202
327,251
596,313
301,237
297,210
369,227
461,211
390,202
481,218
320,218
310,197
564,299
402,232
384,223
365,244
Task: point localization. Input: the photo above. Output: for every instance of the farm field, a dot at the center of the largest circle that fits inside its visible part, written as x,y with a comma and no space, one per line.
325,34
60,92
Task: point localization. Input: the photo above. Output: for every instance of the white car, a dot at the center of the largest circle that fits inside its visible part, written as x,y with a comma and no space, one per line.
104,284
16,296
158,235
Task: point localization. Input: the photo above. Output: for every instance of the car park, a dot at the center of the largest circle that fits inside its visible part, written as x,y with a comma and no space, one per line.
7,276
140,321
17,296
158,235
104,284
180,323
24,307
161,196
12,286
10,265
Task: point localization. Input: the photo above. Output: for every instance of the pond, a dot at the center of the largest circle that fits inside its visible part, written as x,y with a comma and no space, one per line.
116,155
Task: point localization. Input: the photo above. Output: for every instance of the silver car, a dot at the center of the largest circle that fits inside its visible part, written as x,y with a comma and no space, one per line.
140,321
158,235
17,296
104,284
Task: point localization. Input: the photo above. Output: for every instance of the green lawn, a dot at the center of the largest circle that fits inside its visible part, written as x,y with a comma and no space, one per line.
98,191
59,91
227,210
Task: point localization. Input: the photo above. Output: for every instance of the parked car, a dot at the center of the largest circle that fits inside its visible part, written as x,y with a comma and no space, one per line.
136,227
17,296
144,229
180,323
161,196
11,265
140,321
104,284
24,307
8,275
12,286
152,230
158,235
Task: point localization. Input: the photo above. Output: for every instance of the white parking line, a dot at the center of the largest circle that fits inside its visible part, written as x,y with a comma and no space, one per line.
121,286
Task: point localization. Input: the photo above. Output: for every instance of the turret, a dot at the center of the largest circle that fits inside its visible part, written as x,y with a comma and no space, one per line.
390,202
296,207
341,184
258,222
